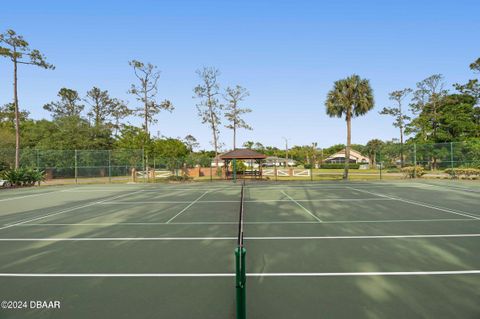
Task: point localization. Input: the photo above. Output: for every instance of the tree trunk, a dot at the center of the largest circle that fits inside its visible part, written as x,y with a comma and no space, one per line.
146,111
234,136
347,149
17,116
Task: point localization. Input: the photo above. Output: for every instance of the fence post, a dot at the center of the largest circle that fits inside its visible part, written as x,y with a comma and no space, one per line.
381,163
414,160
109,166
143,164
234,170
211,171
451,155
76,168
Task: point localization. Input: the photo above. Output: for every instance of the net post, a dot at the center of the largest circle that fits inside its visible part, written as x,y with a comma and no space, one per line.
240,282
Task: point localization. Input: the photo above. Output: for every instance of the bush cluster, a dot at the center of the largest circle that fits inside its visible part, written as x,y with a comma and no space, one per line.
23,176
413,171
463,172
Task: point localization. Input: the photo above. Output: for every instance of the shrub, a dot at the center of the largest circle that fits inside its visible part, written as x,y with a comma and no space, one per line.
24,176
307,166
174,178
463,172
339,165
413,171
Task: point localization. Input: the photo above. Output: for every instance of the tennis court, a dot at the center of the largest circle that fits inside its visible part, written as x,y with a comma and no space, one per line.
313,250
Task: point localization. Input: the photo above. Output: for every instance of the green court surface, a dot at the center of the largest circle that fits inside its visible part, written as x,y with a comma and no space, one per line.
314,250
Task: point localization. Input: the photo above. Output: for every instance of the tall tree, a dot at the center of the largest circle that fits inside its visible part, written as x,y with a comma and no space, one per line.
350,97
147,91
397,112
372,148
233,111
68,105
8,118
18,51
472,87
426,103
209,107
104,109
191,142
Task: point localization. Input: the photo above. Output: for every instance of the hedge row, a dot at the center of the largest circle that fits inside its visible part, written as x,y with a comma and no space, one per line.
463,172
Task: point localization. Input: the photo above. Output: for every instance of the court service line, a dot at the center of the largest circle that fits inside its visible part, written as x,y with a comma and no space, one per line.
301,206
451,187
196,200
461,213
64,211
247,201
234,238
252,223
31,195
287,274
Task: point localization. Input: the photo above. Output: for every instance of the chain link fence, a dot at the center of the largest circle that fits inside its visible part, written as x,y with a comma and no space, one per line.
122,165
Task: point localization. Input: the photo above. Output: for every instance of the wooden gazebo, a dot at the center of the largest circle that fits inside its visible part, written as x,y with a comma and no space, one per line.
244,154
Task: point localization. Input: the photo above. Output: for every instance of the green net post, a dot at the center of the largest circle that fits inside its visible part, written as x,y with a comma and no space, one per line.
240,282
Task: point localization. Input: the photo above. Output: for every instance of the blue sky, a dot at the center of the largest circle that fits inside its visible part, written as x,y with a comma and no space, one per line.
286,53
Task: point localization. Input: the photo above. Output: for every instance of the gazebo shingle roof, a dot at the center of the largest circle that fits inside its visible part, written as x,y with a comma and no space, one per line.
242,153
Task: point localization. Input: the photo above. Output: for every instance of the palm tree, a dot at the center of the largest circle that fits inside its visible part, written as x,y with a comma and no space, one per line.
351,97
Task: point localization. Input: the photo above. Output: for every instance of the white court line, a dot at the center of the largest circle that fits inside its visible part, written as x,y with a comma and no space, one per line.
461,213
31,195
254,223
287,274
248,201
451,187
306,210
200,197
63,211
234,238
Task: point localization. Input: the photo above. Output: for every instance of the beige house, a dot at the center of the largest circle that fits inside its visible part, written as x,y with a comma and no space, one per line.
355,157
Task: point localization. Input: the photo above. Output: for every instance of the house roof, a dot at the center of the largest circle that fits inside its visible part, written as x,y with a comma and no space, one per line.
353,153
242,153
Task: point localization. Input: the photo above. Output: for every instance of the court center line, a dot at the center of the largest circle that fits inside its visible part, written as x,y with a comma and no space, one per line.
190,205
447,210
234,238
291,274
301,206
253,223
64,211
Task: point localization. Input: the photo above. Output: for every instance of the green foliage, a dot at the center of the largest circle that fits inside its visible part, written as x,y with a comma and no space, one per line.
23,176
463,172
68,105
180,178
339,165
413,171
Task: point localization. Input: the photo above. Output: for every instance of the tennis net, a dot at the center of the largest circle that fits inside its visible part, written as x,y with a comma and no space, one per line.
240,252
